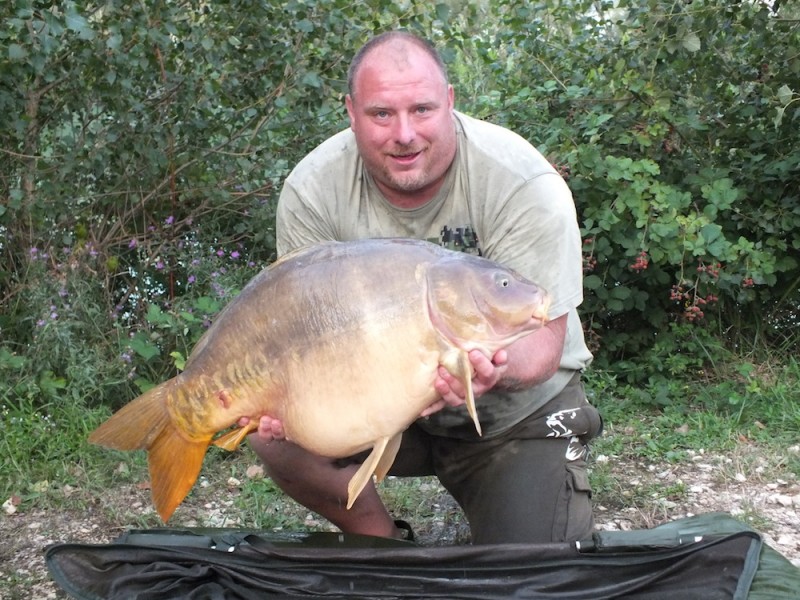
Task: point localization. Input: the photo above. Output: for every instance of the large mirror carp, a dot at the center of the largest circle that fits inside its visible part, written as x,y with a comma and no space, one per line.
342,342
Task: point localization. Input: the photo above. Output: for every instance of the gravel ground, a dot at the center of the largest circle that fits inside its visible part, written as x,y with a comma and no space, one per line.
745,484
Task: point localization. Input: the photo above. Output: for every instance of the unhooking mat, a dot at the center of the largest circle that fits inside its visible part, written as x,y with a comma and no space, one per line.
710,556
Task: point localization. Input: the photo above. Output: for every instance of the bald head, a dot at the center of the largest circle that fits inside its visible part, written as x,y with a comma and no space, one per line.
400,43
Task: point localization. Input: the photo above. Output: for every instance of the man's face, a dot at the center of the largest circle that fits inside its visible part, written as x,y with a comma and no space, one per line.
401,112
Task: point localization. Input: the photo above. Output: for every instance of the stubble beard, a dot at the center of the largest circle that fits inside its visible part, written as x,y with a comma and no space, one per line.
408,181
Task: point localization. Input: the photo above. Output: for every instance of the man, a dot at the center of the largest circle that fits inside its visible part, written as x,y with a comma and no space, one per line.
411,166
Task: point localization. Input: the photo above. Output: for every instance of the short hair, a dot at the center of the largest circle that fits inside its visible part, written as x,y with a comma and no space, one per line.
386,37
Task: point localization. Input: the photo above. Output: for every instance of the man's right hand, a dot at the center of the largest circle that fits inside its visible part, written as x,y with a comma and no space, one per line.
269,429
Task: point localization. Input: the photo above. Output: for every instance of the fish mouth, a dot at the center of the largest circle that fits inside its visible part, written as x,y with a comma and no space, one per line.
540,313
539,321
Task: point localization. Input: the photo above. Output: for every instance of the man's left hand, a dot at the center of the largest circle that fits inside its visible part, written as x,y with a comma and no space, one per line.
486,373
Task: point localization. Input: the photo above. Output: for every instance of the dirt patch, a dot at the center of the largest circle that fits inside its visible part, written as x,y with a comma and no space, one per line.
746,485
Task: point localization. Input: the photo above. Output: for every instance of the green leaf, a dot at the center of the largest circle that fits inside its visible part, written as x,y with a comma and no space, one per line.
156,316
615,305
114,41
311,79
15,197
620,292
17,52
178,360
79,25
691,42
144,348
50,383
304,25
207,305
778,118
592,282
11,361
710,232
721,193
785,94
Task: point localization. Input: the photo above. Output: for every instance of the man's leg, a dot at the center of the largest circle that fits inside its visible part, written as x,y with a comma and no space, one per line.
527,485
522,490
320,484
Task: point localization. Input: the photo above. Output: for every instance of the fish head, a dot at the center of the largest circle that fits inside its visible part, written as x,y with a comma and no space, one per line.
475,303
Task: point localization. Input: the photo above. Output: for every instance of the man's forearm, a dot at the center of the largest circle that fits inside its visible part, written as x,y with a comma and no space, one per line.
535,358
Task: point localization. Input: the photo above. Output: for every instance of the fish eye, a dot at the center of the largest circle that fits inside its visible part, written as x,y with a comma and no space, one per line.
501,279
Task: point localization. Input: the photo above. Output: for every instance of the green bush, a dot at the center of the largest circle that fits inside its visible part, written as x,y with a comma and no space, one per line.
676,126
143,139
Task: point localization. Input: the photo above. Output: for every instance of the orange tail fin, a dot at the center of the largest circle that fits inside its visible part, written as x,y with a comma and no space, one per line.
174,460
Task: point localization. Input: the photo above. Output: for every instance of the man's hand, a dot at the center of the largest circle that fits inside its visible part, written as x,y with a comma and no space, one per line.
486,374
529,361
269,429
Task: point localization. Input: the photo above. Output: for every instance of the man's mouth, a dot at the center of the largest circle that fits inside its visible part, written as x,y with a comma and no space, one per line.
405,158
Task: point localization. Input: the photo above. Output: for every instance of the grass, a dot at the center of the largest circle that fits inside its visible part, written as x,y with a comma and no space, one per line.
642,471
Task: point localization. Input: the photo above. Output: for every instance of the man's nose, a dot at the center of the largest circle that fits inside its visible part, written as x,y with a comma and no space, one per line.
404,133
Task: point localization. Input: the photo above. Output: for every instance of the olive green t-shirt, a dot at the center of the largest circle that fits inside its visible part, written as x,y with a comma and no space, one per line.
501,198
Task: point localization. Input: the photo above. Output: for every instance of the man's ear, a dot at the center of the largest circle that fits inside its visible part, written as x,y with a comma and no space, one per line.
351,111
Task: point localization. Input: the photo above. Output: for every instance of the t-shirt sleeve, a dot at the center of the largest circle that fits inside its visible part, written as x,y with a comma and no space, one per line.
300,221
536,233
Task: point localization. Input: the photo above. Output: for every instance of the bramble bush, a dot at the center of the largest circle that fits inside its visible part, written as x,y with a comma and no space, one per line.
675,125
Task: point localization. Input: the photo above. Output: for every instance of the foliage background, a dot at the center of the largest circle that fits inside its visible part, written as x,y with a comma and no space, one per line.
143,145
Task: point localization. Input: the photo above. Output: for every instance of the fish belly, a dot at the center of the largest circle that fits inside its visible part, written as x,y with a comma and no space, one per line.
343,409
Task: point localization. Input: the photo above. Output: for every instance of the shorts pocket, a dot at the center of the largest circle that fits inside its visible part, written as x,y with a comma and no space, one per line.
574,520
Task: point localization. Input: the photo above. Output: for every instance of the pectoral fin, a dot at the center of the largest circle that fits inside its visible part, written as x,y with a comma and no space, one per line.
374,462
387,459
230,441
461,369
